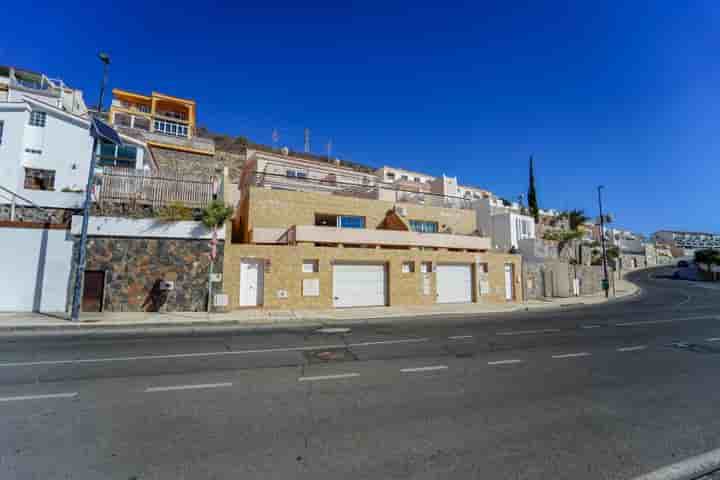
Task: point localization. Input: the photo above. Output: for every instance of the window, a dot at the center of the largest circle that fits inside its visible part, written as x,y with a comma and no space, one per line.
117,156
482,268
425,267
417,179
295,174
37,119
2,125
405,177
34,151
408,267
340,221
390,176
171,128
37,179
310,266
423,226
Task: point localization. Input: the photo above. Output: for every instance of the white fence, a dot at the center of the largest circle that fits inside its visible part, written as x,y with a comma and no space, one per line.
133,186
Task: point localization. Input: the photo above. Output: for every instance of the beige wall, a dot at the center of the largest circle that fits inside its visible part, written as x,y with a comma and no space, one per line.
282,209
284,272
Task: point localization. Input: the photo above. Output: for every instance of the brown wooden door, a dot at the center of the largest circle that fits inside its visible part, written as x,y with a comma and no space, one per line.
93,290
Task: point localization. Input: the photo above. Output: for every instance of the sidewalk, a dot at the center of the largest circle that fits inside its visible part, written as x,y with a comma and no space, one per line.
259,319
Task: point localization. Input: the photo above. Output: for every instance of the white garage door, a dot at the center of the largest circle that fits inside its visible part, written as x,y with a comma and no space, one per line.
454,284
356,285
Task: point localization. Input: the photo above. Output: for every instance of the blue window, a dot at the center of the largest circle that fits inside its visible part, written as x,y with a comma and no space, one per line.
348,221
423,226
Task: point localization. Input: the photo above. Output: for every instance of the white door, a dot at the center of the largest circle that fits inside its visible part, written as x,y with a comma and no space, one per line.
509,285
359,285
454,284
251,283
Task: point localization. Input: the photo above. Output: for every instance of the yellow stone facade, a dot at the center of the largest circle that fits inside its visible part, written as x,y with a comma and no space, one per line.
283,263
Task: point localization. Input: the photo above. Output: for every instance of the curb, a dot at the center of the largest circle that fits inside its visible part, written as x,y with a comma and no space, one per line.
191,328
689,469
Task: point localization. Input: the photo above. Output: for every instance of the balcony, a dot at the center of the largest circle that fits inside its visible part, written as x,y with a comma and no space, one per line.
367,237
350,185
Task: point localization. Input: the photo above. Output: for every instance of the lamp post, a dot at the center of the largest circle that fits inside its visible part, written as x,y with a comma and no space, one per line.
105,59
606,281
80,268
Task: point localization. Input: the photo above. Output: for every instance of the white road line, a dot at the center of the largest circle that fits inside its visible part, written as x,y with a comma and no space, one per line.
204,354
591,326
424,369
38,397
504,362
529,332
682,319
328,377
713,339
632,349
188,387
385,342
460,337
572,355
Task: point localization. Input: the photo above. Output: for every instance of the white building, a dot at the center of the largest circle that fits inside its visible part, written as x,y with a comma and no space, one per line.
16,84
45,153
688,241
503,224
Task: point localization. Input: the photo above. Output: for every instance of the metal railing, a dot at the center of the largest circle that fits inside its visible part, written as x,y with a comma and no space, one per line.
137,187
359,189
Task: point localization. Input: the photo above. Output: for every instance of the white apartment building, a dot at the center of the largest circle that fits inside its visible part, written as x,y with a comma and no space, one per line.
17,84
688,241
45,153
502,223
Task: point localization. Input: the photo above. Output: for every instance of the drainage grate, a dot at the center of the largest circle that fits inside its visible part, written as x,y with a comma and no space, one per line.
329,355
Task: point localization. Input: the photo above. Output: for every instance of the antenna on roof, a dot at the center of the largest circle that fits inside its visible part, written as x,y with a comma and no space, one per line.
329,148
307,140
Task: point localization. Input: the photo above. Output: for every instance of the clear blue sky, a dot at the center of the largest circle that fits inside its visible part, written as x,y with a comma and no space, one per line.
625,94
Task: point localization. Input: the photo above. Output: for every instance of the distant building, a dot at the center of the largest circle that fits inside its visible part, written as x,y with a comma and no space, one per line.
167,125
688,241
506,227
16,84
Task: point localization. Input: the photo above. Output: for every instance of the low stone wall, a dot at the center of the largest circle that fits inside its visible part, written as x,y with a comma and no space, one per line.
134,267
57,216
555,279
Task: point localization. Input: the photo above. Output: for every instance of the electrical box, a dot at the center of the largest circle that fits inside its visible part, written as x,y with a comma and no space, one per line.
216,277
221,300
167,285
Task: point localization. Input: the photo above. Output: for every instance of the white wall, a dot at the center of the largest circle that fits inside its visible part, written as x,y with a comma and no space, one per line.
143,227
34,269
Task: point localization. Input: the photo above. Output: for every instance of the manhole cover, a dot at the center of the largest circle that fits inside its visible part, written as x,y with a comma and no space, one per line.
329,355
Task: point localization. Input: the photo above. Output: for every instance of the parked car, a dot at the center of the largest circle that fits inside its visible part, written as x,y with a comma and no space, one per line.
683,264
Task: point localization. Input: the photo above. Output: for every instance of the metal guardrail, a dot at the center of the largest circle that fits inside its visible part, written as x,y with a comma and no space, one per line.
360,189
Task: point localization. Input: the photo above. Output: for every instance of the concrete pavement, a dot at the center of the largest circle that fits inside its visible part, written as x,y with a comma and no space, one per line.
253,319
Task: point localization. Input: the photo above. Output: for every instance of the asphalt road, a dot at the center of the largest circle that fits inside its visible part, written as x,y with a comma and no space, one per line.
608,391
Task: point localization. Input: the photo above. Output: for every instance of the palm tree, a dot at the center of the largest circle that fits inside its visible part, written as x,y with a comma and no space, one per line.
575,218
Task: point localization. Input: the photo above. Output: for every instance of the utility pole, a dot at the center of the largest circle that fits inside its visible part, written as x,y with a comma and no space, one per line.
606,281
80,269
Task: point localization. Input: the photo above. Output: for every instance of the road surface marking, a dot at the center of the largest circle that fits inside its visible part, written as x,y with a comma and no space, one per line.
632,349
528,332
713,339
572,355
504,362
386,342
424,369
205,354
328,377
682,319
332,330
38,397
197,386
460,337
591,326
684,301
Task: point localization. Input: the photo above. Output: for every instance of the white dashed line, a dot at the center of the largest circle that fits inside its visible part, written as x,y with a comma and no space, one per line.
460,337
424,369
188,387
38,397
572,355
713,339
591,326
386,342
504,362
632,349
650,322
529,332
328,377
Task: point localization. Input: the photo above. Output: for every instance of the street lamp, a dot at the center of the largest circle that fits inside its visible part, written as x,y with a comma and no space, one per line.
606,282
105,59
80,268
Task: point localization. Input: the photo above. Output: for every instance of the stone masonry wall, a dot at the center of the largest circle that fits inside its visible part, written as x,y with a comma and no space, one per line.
175,163
134,266
58,216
